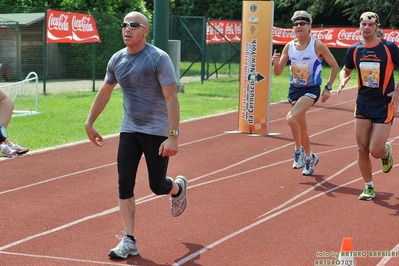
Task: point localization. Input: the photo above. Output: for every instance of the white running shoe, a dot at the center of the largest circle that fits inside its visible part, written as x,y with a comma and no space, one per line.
16,147
310,164
178,204
125,248
7,151
299,159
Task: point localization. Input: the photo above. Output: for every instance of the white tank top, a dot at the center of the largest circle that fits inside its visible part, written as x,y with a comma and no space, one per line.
305,66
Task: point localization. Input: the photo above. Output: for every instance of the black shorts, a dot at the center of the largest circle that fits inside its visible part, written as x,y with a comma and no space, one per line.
383,114
131,148
295,93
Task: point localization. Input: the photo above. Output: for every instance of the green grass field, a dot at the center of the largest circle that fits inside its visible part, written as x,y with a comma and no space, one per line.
62,116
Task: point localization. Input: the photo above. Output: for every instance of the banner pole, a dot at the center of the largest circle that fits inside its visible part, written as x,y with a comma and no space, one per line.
255,74
45,50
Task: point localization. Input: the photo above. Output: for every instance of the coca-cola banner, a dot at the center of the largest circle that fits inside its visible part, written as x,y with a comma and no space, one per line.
223,31
67,27
332,37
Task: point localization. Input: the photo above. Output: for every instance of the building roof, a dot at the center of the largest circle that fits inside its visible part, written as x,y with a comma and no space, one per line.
23,19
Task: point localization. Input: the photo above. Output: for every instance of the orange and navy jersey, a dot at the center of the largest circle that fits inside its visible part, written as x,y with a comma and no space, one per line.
375,66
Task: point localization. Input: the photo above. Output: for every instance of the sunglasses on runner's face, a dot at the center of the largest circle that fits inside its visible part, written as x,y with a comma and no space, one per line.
132,25
302,23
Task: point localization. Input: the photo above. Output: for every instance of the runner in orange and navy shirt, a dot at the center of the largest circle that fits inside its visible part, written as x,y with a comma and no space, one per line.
377,99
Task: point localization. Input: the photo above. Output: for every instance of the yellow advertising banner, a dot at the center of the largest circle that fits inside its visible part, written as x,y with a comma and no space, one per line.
256,52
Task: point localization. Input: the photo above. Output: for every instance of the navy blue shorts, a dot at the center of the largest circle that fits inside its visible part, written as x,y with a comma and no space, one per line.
295,93
383,114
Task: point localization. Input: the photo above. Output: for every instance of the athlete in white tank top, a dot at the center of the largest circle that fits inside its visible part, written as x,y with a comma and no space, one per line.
305,66
304,55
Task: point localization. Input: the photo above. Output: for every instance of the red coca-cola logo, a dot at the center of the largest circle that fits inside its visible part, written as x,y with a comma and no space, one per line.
393,36
82,24
326,34
283,33
350,35
58,23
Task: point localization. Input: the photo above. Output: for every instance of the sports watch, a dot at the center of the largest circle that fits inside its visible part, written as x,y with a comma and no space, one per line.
3,133
174,132
328,87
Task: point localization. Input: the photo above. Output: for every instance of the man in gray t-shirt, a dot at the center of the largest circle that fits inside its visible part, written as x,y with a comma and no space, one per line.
150,123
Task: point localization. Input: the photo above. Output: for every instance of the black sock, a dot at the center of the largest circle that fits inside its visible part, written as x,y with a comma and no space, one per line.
131,237
178,193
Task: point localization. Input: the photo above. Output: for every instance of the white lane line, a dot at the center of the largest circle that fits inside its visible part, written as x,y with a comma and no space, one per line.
214,244
268,217
191,180
55,178
63,258
139,201
309,189
385,259
184,144
261,154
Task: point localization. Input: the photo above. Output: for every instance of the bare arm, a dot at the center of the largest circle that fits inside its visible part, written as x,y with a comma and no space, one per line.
99,103
344,77
395,96
170,146
323,52
279,60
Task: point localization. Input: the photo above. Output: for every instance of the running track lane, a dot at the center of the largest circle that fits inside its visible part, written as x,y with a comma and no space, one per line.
246,206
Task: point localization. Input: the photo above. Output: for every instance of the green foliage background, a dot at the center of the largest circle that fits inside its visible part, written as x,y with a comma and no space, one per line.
334,12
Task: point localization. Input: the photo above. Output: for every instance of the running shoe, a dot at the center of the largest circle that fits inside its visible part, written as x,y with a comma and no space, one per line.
310,164
178,203
387,163
7,151
16,147
299,159
368,193
125,248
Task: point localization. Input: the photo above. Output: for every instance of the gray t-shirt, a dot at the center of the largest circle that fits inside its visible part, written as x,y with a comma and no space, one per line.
141,77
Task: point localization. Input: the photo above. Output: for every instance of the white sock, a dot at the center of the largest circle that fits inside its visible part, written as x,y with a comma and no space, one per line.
298,149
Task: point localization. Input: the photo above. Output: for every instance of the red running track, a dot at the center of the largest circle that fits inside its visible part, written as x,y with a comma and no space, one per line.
246,206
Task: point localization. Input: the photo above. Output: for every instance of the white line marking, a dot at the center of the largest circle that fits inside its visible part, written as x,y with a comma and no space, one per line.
244,229
62,258
153,197
385,260
55,178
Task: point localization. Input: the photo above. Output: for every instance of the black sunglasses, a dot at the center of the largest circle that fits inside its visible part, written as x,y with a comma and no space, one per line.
302,23
132,25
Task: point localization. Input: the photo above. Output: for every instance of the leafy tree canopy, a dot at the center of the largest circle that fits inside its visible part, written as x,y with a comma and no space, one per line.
334,12
109,6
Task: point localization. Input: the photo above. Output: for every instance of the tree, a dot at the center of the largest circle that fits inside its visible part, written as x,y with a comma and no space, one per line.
214,9
341,12
110,6
323,12
387,10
